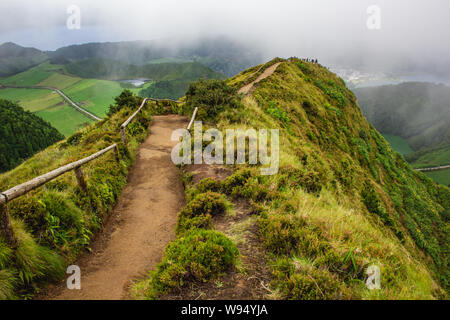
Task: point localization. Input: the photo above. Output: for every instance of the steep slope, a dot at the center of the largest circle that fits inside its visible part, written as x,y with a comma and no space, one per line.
54,223
328,149
341,201
15,59
22,134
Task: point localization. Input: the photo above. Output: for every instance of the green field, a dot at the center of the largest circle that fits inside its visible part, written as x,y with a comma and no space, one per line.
398,144
31,99
32,76
94,95
433,158
65,118
45,74
60,81
440,176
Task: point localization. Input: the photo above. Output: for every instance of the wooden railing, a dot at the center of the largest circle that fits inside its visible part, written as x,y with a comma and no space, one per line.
193,118
124,125
19,190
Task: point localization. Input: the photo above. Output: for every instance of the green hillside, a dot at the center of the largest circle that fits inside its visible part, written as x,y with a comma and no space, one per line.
15,59
22,134
414,118
417,112
434,156
115,70
221,54
53,224
170,80
342,199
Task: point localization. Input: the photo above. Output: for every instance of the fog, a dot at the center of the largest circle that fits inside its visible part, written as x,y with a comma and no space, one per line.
413,34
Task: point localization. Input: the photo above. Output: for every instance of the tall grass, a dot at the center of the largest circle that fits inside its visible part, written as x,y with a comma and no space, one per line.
55,222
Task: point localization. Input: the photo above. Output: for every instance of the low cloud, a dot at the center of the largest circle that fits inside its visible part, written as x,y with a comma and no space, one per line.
412,34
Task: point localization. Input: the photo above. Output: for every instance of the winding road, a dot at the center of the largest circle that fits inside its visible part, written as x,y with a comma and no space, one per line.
434,168
65,97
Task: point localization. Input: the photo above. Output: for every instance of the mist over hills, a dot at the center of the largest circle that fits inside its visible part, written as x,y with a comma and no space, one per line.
220,53
15,59
418,112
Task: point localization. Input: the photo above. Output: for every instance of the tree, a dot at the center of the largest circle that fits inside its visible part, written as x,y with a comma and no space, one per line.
213,96
125,99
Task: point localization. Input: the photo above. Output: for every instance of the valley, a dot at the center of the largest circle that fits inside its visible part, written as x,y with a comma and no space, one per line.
413,117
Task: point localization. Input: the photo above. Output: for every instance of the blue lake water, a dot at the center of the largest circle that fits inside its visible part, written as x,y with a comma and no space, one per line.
136,82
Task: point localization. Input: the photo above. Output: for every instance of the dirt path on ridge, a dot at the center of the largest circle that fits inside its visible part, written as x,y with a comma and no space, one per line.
247,89
141,225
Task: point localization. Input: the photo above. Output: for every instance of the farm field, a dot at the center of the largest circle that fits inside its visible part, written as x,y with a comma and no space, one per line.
64,118
440,176
32,76
433,158
398,144
94,95
31,99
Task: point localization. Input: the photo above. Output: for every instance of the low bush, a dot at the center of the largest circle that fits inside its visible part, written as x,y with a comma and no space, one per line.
300,280
200,256
211,97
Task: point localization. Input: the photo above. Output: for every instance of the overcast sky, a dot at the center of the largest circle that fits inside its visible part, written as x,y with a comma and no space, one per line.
416,30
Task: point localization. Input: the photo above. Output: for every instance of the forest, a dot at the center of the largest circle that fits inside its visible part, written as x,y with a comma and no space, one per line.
22,134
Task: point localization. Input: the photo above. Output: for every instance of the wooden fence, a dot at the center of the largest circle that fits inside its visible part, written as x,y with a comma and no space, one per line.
19,190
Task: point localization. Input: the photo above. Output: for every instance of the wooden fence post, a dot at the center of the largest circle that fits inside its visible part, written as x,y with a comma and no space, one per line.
5,225
124,136
80,179
116,154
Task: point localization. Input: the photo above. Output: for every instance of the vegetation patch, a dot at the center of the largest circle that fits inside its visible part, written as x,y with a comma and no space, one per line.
55,223
199,256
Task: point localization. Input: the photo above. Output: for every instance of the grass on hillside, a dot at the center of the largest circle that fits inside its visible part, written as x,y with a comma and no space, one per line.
322,219
342,200
32,76
54,223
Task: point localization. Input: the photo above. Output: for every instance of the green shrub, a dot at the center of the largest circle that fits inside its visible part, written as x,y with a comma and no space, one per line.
185,225
200,256
211,203
211,97
237,179
208,184
125,99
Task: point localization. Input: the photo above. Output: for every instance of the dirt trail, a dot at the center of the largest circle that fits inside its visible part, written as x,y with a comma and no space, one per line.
247,90
143,222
